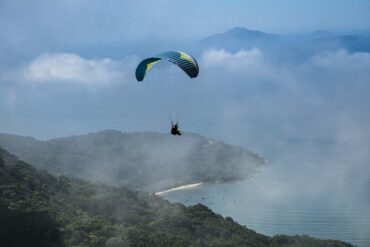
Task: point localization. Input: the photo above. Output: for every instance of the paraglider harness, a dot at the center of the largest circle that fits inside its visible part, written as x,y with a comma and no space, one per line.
175,129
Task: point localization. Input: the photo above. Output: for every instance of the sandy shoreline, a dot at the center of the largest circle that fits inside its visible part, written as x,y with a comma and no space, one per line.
182,187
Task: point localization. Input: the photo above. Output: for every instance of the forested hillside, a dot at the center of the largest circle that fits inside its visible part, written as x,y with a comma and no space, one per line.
39,209
146,161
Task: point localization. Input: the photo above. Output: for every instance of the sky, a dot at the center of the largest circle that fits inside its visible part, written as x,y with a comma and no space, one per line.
61,25
67,66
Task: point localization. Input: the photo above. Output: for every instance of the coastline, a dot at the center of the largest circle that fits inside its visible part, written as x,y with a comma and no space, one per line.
182,187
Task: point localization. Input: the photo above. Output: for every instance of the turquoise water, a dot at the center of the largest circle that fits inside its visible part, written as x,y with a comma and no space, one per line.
316,189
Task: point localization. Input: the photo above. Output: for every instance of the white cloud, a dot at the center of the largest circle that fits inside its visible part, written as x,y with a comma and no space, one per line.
69,67
342,59
247,64
254,62
252,68
239,60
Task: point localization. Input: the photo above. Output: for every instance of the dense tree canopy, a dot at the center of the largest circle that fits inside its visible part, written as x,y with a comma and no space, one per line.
39,208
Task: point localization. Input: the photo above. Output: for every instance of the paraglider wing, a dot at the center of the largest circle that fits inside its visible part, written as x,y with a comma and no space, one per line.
186,62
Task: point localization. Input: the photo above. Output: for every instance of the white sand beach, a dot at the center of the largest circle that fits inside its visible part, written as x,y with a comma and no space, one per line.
182,187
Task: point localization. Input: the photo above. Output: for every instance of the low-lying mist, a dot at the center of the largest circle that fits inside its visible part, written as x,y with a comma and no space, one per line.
147,161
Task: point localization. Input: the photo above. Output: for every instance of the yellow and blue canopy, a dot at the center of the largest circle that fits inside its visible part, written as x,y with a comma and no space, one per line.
186,62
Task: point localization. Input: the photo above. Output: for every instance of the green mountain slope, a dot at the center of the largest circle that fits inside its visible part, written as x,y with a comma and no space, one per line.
39,209
145,161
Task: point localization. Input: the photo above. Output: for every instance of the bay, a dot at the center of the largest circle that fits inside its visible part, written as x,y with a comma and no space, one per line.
308,187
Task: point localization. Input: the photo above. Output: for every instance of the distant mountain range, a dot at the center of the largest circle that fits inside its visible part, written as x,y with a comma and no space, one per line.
238,38
242,38
146,161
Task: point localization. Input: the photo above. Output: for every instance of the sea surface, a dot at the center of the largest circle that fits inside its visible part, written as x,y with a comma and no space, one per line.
308,187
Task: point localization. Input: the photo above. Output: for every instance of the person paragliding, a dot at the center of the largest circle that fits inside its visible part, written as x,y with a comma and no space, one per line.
175,129
184,61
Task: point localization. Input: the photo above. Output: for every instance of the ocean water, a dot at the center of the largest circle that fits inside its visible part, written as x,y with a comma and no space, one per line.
310,187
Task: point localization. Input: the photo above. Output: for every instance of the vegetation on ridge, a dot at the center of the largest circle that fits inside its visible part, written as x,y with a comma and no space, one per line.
39,209
145,161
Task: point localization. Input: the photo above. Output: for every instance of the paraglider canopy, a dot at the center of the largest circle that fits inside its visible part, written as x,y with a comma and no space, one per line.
186,62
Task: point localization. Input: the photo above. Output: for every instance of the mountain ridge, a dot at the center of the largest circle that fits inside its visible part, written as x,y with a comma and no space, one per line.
238,38
143,160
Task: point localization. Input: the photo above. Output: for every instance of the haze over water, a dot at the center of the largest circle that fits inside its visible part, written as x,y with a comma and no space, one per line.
310,187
